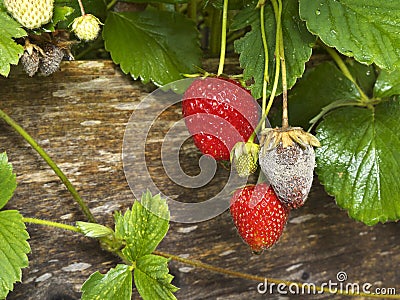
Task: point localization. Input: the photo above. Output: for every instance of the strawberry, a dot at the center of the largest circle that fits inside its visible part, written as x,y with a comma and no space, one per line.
31,13
245,157
219,113
86,27
287,159
258,215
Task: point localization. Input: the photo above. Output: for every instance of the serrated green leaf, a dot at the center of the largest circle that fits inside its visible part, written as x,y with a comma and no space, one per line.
359,161
115,285
13,250
152,45
8,182
152,278
387,84
297,43
319,87
94,230
10,51
364,75
143,227
367,30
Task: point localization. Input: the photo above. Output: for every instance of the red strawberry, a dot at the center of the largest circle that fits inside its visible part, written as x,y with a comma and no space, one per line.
259,216
218,114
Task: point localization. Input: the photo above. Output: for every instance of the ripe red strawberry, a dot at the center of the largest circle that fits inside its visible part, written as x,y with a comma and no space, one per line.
258,215
218,114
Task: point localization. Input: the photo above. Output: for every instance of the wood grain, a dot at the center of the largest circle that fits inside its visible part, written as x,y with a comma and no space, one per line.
79,116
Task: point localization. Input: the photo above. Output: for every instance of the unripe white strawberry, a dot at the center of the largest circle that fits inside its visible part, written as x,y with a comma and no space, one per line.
31,13
86,27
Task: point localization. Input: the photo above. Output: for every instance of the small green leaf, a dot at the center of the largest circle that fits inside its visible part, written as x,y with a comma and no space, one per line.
152,45
297,41
359,161
94,230
8,182
9,49
143,227
60,13
367,30
387,84
13,250
319,87
115,285
152,278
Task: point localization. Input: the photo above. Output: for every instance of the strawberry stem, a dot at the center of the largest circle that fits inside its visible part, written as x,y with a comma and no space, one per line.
342,66
261,279
223,38
51,224
51,163
81,7
266,59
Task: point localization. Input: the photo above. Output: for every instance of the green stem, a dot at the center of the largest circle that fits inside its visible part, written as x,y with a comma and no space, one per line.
342,66
192,10
215,34
261,124
285,117
50,162
223,39
51,224
111,4
266,60
256,278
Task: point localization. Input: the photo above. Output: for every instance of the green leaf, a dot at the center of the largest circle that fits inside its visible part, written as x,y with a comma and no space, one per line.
143,227
13,250
367,30
319,87
94,230
359,161
116,284
97,8
297,43
9,49
60,13
365,75
152,278
8,182
152,45
387,84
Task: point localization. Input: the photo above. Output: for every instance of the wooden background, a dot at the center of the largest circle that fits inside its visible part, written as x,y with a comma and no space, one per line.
79,116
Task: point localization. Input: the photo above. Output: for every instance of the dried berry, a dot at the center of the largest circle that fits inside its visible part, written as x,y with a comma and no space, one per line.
287,159
50,61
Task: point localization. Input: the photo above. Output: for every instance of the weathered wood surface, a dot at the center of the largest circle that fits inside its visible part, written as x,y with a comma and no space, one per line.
79,116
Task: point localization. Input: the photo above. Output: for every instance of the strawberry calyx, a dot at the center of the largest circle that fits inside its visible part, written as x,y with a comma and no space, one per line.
272,137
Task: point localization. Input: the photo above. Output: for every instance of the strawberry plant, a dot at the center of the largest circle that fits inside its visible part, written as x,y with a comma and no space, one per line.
331,67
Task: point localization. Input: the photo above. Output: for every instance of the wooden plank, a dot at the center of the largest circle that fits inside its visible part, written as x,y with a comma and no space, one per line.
79,116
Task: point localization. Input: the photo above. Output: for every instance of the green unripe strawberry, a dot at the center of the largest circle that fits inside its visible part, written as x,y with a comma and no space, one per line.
86,27
31,13
244,156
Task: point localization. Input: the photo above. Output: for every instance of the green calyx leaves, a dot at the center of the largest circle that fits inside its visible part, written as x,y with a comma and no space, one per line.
137,234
